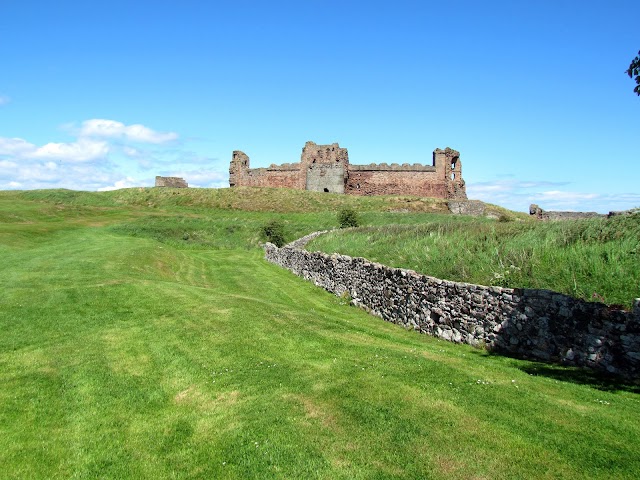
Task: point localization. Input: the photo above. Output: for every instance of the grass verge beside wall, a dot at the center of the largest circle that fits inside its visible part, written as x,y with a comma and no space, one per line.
596,259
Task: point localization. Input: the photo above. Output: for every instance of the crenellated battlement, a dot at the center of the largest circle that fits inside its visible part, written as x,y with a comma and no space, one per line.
395,167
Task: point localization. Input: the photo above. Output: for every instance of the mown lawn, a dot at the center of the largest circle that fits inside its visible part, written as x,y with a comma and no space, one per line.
130,351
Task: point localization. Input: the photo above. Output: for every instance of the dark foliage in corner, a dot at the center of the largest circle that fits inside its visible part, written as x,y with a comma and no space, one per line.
634,71
274,232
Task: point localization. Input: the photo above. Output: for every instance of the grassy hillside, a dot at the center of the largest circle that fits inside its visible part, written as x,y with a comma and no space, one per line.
132,350
241,198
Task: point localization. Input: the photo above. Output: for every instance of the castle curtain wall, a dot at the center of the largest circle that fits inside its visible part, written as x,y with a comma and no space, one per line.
326,168
385,181
271,177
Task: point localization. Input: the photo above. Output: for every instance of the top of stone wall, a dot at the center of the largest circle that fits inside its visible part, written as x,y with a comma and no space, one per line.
284,167
394,167
448,151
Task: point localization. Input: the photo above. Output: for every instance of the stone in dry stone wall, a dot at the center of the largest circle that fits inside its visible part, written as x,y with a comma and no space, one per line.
535,324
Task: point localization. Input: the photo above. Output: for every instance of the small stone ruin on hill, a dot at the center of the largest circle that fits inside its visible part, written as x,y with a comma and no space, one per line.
540,214
172,182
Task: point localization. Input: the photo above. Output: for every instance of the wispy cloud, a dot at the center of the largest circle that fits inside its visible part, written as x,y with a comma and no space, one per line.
127,182
15,147
83,150
4,100
112,129
519,194
201,177
560,196
52,175
104,155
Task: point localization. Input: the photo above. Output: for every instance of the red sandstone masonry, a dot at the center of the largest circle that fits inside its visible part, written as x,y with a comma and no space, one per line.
326,168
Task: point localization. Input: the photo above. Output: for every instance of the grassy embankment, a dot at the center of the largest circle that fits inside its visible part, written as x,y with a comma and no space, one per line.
146,338
596,259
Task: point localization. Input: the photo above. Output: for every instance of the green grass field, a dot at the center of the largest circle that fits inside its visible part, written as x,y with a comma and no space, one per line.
144,336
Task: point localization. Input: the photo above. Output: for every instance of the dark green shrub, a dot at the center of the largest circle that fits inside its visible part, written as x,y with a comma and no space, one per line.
348,217
274,232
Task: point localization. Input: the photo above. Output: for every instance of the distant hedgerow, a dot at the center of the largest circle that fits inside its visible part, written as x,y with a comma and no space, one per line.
348,217
274,232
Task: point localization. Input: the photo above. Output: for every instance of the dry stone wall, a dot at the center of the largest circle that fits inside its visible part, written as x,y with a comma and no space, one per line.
536,324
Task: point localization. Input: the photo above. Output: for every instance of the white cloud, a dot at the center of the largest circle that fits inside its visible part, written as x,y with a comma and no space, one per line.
128,182
112,129
79,176
15,147
4,100
131,152
202,178
104,155
560,196
83,150
480,189
6,165
518,195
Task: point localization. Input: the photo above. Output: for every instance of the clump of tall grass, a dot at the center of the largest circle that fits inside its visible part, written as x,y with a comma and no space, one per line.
348,217
594,259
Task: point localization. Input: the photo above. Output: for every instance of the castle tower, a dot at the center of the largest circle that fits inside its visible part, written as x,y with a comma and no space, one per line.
239,165
325,167
449,168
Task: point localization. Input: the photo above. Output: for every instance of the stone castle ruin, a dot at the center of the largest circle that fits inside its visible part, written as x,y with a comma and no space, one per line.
171,182
326,168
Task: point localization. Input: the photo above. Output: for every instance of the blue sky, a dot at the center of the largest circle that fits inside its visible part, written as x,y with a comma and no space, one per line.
102,95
